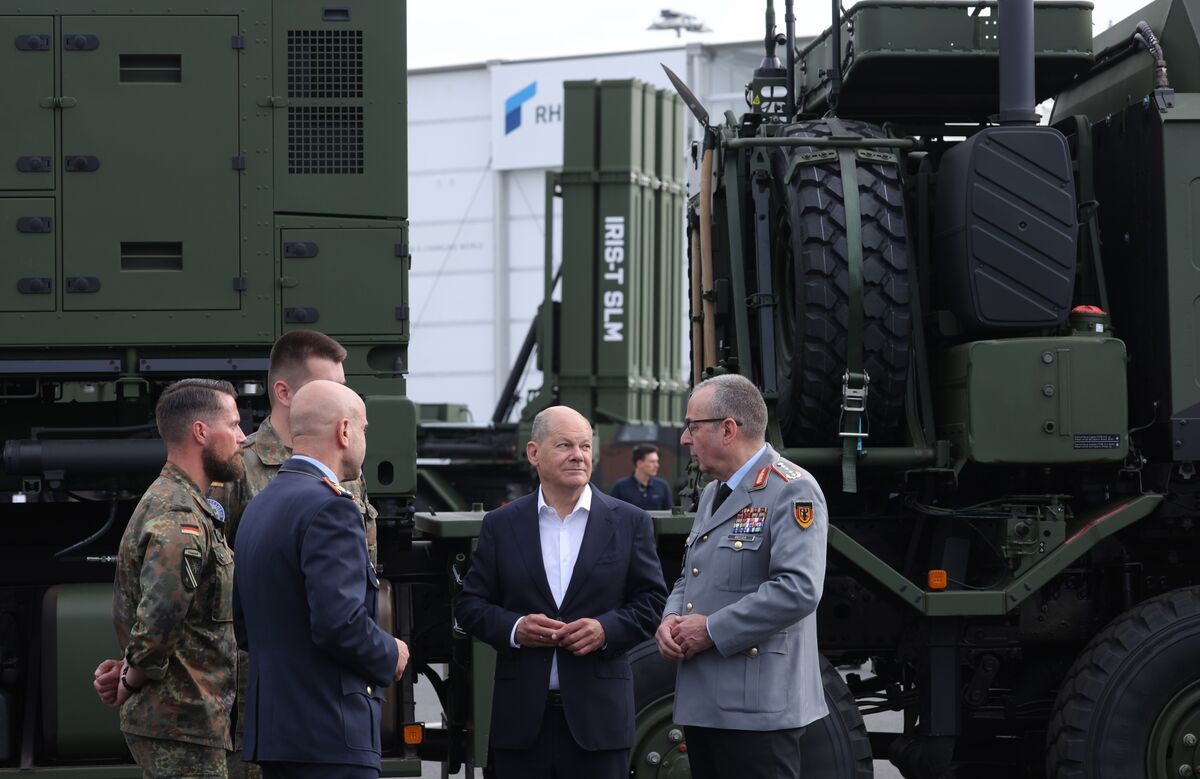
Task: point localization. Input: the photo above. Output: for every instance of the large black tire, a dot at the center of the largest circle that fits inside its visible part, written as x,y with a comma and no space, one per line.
835,747
1128,675
811,267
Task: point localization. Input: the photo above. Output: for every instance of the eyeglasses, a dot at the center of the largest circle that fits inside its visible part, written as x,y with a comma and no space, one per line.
690,424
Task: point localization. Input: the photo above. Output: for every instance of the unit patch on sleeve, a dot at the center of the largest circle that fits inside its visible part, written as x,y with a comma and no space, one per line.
802,510
750,520
190,530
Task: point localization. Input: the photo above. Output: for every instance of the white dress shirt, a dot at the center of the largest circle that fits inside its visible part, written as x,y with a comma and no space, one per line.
561,539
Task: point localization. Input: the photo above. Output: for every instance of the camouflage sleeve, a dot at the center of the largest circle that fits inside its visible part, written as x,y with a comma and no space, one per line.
358,491
175,550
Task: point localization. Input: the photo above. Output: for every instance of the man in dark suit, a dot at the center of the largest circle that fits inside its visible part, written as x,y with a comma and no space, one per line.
562,583
304,604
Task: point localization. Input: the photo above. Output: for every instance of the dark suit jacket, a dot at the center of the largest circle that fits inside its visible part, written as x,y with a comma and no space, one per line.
304,598
617,580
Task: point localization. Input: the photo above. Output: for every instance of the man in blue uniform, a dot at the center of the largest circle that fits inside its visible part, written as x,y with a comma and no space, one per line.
304,604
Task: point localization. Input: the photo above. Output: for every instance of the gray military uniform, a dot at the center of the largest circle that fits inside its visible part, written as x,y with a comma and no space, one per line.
756,569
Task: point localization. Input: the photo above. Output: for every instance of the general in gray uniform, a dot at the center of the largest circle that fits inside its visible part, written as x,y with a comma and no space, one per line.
741,619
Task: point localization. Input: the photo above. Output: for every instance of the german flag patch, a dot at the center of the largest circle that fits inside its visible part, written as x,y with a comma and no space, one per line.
190,530
802,510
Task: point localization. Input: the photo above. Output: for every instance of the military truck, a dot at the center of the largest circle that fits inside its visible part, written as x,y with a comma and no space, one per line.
974,329
178,187
975,325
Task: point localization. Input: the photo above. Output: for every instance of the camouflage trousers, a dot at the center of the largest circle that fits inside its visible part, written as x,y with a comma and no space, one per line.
163,759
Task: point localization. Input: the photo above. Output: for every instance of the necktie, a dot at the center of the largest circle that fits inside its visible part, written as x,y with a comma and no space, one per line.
723,492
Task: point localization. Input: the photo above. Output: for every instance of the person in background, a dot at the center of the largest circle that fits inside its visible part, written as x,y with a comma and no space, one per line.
643,488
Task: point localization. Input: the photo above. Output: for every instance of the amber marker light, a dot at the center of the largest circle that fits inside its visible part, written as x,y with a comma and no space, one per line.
414,734
937,579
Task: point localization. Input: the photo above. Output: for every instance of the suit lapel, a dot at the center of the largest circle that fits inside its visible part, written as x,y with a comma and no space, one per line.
529,542
596,538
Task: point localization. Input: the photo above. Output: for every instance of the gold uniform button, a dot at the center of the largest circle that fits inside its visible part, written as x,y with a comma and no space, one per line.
695,572
688,607
737,544
754,651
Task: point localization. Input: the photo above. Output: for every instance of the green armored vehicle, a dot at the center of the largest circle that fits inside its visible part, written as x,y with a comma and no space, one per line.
975,330
978,331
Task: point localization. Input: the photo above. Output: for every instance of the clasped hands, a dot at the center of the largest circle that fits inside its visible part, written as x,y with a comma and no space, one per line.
107,681
580,637
682,638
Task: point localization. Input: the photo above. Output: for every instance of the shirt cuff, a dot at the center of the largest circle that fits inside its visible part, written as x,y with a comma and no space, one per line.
512,637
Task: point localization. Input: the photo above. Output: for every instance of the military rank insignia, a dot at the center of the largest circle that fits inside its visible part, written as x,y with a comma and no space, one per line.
787,471
802,510
193,562
750,520
760,480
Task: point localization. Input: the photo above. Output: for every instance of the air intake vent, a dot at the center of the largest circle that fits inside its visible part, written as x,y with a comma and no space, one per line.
325,63
325,139
151,69
151,256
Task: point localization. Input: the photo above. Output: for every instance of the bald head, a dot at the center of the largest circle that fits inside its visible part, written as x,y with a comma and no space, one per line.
329,422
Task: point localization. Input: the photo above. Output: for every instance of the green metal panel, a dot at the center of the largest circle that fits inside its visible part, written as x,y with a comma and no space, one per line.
156,104
668,262
79,634
356,282
938,58
27,256
27,128
391,464
339,108
1034,400
1181,197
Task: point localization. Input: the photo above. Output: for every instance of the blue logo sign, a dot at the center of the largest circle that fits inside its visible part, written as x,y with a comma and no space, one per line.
512,107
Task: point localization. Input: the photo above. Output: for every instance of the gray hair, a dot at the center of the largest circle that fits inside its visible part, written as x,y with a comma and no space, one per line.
735,397
544,422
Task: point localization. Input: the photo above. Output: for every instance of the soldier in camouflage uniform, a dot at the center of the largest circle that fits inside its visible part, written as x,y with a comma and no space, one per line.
172,598
298,357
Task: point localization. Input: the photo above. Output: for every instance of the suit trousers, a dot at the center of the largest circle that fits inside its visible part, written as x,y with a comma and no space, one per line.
555,755
716,753
274,770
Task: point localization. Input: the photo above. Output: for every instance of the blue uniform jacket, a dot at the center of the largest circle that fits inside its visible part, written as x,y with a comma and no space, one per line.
304,599
617,580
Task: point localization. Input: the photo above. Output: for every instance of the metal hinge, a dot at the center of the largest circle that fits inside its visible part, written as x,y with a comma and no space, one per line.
237,42
239,162
401,250
240,284
402,313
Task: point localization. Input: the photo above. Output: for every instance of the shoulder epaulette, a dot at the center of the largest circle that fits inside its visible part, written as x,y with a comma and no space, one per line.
331,484
760,480
787,471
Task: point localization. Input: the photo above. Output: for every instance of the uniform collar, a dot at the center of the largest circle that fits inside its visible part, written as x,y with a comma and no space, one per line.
322,467
268,445
176,474
740,474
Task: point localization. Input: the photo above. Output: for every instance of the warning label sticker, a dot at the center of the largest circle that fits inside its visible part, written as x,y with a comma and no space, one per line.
1097,441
